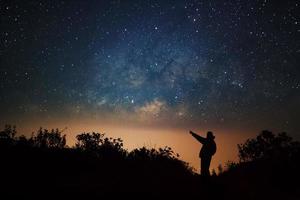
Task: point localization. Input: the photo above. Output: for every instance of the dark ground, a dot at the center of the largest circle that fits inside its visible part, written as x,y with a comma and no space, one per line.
42,169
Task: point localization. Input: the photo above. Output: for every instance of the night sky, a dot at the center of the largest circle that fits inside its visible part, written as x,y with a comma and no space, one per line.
171,63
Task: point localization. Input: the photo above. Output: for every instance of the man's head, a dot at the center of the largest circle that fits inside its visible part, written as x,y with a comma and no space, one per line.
210,135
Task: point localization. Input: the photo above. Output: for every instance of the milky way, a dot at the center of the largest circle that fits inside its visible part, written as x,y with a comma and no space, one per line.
220,63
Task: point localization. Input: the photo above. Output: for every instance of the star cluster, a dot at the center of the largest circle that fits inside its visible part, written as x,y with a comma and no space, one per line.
219,63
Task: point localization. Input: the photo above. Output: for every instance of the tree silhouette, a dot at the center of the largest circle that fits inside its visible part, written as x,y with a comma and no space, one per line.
268,146
7,136
89,141
112,148
49,139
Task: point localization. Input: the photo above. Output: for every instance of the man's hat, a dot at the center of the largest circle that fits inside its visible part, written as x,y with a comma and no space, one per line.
210,135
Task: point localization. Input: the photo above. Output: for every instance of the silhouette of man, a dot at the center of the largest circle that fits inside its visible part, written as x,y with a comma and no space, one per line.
208,149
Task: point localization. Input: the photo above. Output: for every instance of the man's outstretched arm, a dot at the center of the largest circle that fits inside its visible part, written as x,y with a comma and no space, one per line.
198,137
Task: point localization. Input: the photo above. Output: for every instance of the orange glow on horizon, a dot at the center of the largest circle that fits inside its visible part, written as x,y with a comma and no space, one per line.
134,137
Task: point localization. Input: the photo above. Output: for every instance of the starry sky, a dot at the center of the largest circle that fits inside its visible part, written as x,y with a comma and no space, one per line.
149,63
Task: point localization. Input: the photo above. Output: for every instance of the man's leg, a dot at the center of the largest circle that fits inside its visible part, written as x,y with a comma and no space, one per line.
205,163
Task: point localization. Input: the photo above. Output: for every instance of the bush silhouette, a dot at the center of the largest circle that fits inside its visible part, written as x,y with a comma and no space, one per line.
153,154
161,157
102,147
